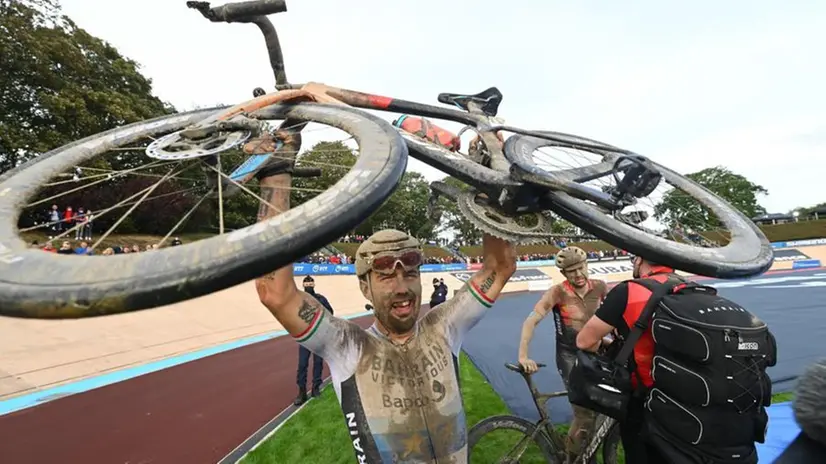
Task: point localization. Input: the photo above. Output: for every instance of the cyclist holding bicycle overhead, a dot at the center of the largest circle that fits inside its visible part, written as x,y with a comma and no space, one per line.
572,302
397,381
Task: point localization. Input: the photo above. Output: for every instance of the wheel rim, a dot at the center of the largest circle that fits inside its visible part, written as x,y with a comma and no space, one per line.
747,252
223,261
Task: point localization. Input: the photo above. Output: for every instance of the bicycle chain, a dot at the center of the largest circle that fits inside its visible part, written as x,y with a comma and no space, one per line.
497,224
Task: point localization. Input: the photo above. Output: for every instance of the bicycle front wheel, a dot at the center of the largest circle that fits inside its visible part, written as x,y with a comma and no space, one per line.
508,440
38,284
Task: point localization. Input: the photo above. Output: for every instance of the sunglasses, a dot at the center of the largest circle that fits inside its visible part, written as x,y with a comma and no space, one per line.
385,263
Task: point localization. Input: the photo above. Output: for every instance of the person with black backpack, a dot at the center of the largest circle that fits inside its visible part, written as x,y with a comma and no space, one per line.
688,372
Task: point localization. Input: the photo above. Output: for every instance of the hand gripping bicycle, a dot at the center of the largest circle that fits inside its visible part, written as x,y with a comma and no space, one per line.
505,187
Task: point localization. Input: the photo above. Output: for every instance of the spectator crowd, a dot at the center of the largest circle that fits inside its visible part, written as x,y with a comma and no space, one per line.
82,247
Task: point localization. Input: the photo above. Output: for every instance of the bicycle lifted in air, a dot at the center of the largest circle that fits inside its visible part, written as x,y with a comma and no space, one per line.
509,194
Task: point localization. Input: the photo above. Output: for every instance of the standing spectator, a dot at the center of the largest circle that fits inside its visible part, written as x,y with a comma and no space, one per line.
80,223
87,227
304,353
68,216
54,221
439,294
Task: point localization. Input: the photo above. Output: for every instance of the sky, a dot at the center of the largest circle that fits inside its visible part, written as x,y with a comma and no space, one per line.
690,85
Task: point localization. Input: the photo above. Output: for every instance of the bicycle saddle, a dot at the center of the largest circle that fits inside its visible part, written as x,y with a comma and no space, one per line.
489,100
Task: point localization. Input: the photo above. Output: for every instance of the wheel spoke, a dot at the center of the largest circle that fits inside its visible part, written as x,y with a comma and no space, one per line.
185,217
220,198
149,190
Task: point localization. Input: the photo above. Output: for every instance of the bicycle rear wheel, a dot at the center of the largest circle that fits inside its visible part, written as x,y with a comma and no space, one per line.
37,284
506,440
746,253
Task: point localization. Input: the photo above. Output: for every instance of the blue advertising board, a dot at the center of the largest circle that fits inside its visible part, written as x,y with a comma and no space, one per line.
806,264
540,263
301,269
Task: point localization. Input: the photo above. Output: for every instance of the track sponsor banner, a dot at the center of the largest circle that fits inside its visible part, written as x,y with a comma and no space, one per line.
301,269
521,275
790,254
474,266
809,242
443,267
806,264
795,243
538,263
610,267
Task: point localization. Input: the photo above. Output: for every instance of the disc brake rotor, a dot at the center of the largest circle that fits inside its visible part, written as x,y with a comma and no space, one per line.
174,146
497,224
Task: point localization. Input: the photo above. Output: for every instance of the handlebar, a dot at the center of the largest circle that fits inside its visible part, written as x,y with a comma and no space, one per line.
254,12
518,367
239,11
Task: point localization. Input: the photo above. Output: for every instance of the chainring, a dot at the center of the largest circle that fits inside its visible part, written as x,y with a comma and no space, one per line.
494,222
174,146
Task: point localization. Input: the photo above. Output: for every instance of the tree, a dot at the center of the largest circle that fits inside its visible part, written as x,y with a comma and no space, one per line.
405,209
60,84
807,210
677,209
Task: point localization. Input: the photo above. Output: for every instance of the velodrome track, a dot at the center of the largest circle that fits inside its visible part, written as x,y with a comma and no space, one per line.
193,412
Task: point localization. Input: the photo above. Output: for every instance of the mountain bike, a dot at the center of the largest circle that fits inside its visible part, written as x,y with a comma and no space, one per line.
549,443
507,194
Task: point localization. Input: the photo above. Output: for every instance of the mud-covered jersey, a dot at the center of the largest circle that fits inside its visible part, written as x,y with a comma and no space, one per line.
571,311
401,402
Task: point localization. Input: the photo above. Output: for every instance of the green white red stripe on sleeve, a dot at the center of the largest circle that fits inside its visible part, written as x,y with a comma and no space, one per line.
312,328
479,295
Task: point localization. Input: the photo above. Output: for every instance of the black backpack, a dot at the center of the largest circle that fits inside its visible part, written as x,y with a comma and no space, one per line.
709,370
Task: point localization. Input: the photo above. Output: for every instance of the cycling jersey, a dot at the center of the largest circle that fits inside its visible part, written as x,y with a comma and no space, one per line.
571,311
401,403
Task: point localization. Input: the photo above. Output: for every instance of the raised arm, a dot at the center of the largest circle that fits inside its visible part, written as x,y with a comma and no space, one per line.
463,311
499,264
540,310
294,309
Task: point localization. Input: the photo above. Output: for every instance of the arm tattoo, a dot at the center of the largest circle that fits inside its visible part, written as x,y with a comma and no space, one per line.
307,311
267,193
488,283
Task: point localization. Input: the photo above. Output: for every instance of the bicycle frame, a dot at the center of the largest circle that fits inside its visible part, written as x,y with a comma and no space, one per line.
495,181
545,426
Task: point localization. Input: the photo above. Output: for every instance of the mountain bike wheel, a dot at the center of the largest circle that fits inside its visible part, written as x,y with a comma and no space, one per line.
37,284
506,439
746,253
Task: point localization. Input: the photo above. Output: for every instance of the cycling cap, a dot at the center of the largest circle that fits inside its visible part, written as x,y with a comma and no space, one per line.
382,250
569,257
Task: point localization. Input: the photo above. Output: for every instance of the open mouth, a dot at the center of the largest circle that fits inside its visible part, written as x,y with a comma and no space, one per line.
402,308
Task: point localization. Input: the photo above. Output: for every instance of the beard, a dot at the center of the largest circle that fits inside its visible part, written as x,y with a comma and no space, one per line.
393,323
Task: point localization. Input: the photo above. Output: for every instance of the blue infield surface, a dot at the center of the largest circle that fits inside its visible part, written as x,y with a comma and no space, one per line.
790,302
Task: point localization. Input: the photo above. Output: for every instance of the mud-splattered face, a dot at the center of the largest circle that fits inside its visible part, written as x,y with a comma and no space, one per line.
577,275
396,298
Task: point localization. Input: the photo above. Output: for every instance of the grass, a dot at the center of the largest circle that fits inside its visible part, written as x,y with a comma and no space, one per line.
317,432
